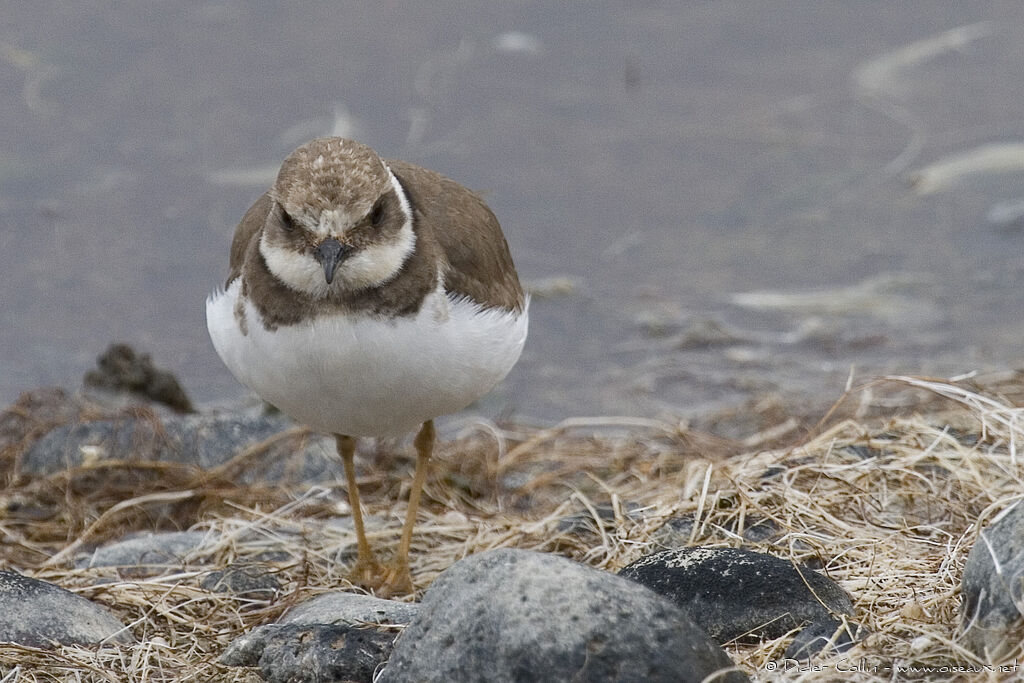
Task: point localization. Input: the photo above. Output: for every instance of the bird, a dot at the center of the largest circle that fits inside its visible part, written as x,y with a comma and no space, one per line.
366,297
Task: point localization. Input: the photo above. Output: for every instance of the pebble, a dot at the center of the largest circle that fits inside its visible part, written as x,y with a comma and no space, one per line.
248,580
40,614
993,587
517,615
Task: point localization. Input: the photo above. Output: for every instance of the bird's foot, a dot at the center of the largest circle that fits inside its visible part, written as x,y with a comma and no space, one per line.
397,580
385,581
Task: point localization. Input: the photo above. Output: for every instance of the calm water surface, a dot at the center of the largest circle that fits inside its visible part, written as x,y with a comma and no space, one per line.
713,201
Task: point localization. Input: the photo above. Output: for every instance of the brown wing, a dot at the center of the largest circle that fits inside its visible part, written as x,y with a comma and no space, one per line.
247,230
479,265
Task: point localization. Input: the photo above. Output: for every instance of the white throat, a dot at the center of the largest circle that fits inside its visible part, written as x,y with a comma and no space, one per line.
369,266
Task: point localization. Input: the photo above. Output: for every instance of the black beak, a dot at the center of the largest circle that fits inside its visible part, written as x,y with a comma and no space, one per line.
330,253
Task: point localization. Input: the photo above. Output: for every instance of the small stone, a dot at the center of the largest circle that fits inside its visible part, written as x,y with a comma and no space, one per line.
39,614
733,593
351,609
993,588
517,615
677,531
583,522
314,653
252,581
824,638
148,553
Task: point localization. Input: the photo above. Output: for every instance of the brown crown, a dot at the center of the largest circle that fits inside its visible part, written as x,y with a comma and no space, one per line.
330,173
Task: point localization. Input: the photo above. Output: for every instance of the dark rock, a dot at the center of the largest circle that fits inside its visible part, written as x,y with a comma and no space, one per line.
863,452
676,531
121,369
351,609
993,588
324,639
314,653
40,614
759,530
251,581
833,634
516,615
148,553
204,441
583,522
733,593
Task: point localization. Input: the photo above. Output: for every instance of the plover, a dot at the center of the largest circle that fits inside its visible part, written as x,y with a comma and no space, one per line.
365,298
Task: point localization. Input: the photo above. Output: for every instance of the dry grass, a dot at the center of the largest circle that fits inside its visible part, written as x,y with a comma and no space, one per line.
887,506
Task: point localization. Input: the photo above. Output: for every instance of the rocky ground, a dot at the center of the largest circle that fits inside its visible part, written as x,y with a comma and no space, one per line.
144,541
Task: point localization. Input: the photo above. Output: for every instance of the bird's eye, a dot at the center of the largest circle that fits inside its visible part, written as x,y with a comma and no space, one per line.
287,222
377,213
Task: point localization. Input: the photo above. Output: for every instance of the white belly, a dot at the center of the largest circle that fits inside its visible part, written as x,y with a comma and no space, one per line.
364,376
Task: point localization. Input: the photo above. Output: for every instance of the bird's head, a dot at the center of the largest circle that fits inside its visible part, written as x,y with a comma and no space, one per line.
339,220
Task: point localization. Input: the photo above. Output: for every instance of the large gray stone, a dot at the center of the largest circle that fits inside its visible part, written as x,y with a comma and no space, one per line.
40,614
148,552
515,615
204,441
732,592
992,612
34,414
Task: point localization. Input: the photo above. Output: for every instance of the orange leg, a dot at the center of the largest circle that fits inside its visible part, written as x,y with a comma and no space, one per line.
367,569
399,580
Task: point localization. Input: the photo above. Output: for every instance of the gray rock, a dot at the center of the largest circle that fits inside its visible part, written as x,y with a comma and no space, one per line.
676,531
314,653
148,552
351,609
34,414
40,614
733,593
515,615
246,580
324,639
992,613
825,638
582,522
204,441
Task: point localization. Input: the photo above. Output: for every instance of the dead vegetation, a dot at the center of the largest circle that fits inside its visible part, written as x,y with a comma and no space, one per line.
885,495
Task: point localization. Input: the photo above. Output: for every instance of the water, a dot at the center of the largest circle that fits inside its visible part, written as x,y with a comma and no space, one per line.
728,189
